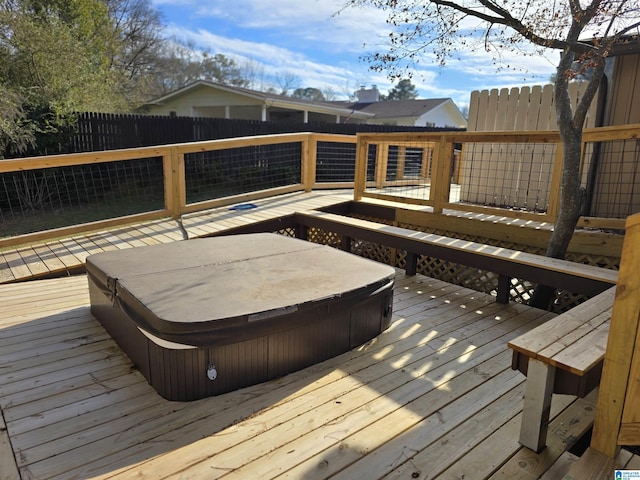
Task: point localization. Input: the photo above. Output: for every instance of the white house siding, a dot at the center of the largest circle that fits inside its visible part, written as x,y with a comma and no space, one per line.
444,115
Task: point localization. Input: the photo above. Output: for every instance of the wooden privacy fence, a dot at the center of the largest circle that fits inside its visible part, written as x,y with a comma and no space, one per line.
106,131
508,174
523,181
519,176
520,109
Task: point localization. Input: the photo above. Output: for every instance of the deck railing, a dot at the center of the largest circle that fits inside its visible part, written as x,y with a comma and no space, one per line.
45,197
509,174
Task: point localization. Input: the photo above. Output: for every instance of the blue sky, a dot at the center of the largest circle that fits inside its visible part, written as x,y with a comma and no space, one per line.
309,41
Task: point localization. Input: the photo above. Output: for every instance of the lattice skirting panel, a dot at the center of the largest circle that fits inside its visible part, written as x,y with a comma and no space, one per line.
287,232
479,280
324,237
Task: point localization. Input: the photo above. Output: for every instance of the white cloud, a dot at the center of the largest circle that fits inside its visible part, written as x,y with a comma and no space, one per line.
274,60
324,24
323,48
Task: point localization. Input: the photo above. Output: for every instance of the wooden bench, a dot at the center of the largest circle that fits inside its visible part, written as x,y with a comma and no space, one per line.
506,263
563,355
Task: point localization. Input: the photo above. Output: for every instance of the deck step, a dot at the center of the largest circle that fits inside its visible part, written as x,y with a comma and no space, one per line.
592,465
561,467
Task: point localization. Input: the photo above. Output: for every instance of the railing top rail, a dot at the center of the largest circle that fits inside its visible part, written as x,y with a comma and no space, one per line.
461,137
49,161
615,132
590,135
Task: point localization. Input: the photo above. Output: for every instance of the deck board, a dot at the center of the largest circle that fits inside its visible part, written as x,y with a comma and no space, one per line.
49,258
67,255
433,395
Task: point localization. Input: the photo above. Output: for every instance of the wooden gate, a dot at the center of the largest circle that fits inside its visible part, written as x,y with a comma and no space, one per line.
617,420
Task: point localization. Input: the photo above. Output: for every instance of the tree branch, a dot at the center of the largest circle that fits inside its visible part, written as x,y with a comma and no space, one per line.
507,20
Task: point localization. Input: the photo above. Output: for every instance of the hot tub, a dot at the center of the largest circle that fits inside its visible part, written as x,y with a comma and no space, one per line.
207,316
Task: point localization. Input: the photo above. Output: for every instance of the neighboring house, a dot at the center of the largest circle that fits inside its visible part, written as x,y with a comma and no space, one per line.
212,100
434,112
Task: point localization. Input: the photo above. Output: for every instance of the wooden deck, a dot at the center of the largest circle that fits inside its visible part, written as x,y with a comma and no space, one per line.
67,255
432,397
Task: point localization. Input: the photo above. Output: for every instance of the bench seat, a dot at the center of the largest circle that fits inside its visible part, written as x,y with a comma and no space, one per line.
564,355
507,264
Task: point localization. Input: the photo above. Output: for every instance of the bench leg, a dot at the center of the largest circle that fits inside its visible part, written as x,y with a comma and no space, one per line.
346,244
537,404
412,264
504,289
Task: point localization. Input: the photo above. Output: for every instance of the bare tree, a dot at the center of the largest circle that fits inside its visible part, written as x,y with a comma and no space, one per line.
287,81
252,72
137,41
330,94
583,31
16,133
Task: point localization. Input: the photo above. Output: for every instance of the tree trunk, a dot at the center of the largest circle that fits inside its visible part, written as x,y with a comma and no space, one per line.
572,195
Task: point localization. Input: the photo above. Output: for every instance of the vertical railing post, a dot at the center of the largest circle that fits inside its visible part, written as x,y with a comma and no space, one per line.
167,176
309,162
382,160
402,159
360,175
174,182
425,164
455,173
441,174
554,188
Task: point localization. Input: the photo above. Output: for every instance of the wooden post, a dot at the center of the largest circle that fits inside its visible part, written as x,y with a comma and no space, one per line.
618,411
425,166
360,177
504,289
309,158
441,174
411,267
554,190
382,160
302,232
402,158
175,194
167,176
457,160
345,243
